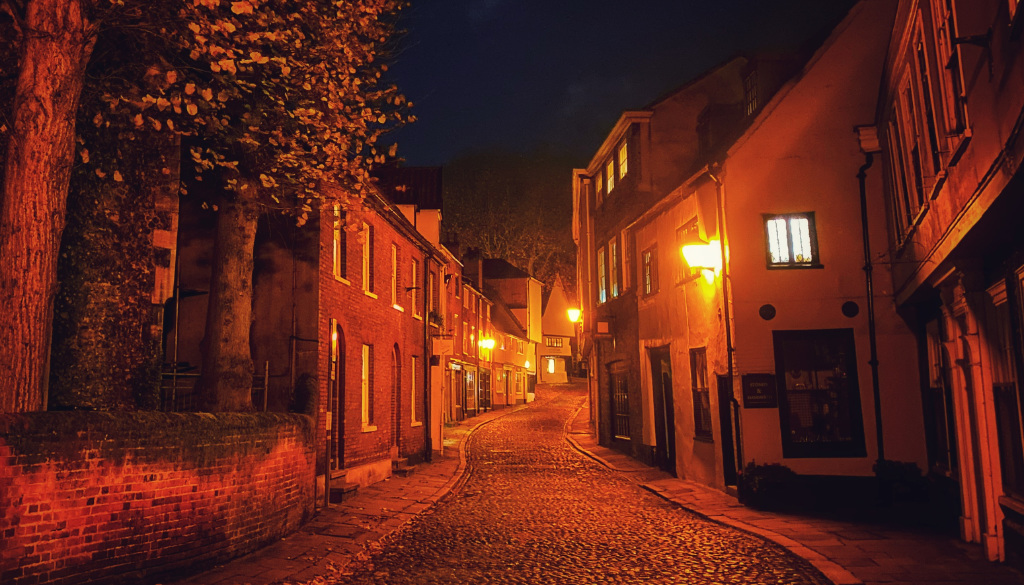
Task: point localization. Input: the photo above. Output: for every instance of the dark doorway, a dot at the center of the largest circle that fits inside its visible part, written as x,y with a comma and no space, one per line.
396,400
335,400
664,412
725,405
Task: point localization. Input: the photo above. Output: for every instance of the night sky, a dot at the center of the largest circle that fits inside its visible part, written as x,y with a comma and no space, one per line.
552,76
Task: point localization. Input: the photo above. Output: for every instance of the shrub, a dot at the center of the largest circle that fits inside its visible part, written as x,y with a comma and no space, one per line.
767,486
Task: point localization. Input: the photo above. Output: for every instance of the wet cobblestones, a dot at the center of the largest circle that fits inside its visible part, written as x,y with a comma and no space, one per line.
533,510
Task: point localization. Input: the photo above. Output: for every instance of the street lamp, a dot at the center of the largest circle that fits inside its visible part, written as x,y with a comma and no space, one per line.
706,257
574,315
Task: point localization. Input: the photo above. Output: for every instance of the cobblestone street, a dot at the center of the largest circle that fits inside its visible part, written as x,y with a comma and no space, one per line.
534,510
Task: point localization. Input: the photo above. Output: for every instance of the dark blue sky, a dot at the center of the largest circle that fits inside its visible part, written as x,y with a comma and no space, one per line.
554,75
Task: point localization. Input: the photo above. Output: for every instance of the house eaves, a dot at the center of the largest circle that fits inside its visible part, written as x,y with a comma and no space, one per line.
777,98
615,136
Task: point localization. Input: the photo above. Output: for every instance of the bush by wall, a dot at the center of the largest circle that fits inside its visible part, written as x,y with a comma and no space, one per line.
95,497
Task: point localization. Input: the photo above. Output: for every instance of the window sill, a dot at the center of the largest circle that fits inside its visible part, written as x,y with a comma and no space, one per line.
418,317
398,308
417,423
1012,503
342,280
704,439
369,294
795,266
369,428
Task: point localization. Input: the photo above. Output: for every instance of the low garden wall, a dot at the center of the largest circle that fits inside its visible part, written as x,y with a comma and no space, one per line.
96,497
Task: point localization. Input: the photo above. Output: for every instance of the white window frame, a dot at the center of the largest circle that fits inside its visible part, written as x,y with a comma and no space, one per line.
623,160
366,397
613,268
414,415
367,274
602,276
772,240
340,242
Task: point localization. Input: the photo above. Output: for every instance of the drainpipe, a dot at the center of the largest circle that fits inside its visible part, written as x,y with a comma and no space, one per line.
715,172
869,284
428,351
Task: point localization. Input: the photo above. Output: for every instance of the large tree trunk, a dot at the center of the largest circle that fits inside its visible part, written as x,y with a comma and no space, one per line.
226,379
56,49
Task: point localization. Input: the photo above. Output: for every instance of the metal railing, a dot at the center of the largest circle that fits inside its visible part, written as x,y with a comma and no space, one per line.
178,388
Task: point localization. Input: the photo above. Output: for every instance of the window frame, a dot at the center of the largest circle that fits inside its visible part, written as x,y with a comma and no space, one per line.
684,273
649,271
812,235
340,245
844,346
414,414
615,284
703,426
414,287
602,276
623,154
609,179
366,388
367,268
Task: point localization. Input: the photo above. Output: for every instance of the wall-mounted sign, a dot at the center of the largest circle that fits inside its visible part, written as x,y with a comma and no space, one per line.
759,391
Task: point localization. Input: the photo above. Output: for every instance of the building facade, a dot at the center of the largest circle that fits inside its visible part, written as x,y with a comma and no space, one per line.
949,117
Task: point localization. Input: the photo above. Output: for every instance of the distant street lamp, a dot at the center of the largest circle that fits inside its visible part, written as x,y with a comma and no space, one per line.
574,315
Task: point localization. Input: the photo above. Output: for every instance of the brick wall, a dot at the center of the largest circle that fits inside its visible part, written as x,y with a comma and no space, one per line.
91,497
372,320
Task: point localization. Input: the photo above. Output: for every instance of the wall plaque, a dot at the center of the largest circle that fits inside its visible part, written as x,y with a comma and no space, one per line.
759,391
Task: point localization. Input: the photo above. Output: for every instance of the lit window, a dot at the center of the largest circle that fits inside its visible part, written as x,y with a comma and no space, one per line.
701,394
650,270
367,237
613,271
792,240
551,366
610,174
340,241
367,385
688,233
600,187
394,275
412,390
553,341
623,160
602,278
414,286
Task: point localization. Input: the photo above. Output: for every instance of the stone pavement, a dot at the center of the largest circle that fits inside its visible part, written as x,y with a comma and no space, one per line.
847,553
322,548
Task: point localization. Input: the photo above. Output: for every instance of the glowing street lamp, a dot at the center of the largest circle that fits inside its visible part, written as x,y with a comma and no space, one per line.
706,257
487,343
574,315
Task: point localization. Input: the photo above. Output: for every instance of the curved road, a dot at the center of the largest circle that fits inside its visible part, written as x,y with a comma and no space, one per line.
534,510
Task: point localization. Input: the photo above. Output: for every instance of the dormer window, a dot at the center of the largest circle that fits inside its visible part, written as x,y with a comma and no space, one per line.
750,91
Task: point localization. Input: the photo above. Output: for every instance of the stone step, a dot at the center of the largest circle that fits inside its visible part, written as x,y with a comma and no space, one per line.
342,491
400,467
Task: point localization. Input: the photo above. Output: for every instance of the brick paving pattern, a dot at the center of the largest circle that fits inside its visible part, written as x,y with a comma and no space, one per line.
532,509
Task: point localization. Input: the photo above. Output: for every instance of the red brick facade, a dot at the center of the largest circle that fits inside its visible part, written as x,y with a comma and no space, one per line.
392,323
101,498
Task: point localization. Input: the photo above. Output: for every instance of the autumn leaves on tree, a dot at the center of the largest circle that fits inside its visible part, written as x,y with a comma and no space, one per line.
275,104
